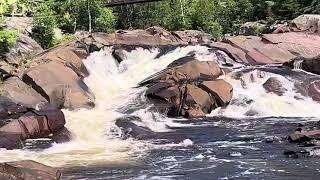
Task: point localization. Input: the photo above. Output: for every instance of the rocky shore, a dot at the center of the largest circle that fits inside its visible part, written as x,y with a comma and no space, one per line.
34,91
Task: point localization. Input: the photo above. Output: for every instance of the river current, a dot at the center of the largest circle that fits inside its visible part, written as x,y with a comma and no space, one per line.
245,140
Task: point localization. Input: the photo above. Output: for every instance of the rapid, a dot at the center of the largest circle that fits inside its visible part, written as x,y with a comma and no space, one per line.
226,144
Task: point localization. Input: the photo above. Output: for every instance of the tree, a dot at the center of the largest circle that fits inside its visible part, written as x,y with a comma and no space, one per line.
44,22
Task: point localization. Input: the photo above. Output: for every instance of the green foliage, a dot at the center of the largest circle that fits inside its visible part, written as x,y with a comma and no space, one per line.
65,39
106,21
44,23
7,40
216,17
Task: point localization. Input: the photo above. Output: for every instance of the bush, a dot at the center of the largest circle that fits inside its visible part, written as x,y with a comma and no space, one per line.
65,39
7,41
44,22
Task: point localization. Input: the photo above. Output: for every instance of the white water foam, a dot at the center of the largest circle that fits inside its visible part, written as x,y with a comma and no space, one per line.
263,104
96,138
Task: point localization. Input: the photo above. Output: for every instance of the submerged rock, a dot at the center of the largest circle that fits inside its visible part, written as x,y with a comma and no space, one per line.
275,86
28,170
130,129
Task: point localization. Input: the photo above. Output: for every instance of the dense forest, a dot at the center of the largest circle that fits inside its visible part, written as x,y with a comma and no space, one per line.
216,17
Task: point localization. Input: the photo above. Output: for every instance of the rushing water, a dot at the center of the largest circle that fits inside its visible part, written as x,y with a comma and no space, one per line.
244,140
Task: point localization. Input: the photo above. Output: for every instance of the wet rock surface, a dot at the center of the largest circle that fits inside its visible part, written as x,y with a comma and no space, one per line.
19,123
189,88
28,170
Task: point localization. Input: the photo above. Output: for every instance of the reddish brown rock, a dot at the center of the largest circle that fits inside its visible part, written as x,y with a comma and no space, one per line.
220,90
60,85
28,170
32,123
275,86
188,88
304,136
20,93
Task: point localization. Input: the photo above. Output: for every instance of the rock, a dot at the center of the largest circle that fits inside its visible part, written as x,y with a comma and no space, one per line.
69,55
62,135
159,31
220,90
19,24
10,142
310,22
275,86
307,64
60,85
28,170
253,28
190,100
29,123
192,71
130,129
193,36
296,153
25,46
97,41
304,136
314,90
188,88
20,93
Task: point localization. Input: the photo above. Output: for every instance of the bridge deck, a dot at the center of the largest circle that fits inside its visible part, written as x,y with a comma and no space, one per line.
112,3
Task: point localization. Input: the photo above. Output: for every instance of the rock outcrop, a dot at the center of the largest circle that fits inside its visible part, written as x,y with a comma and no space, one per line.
19,123
60,85
190,89
20,93
28,170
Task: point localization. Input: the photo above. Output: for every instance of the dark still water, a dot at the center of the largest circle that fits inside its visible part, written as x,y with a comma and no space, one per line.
222,148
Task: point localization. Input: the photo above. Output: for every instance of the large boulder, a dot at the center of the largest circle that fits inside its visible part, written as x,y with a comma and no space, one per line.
69,55
188,88
28,170
193,36
189,70
20,24
19,123
308,22
253,28
190,99
19,57
96,41
20,93
25,47
60,85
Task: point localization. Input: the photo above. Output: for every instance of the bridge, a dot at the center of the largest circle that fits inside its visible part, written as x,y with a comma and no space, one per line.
112,3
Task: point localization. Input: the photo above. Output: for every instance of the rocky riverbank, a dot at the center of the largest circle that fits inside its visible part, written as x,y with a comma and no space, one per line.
34,90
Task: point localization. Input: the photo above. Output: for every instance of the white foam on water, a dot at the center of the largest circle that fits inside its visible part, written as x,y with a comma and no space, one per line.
249,88
96,138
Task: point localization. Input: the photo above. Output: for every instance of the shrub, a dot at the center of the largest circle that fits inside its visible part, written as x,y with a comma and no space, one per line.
65,39
7,40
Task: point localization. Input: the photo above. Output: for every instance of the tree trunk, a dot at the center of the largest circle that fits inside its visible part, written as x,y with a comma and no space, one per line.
89,16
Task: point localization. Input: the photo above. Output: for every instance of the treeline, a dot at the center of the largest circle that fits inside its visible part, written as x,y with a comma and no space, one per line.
216,17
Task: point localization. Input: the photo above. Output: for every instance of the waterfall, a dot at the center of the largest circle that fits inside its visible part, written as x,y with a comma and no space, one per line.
297,64
96,138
